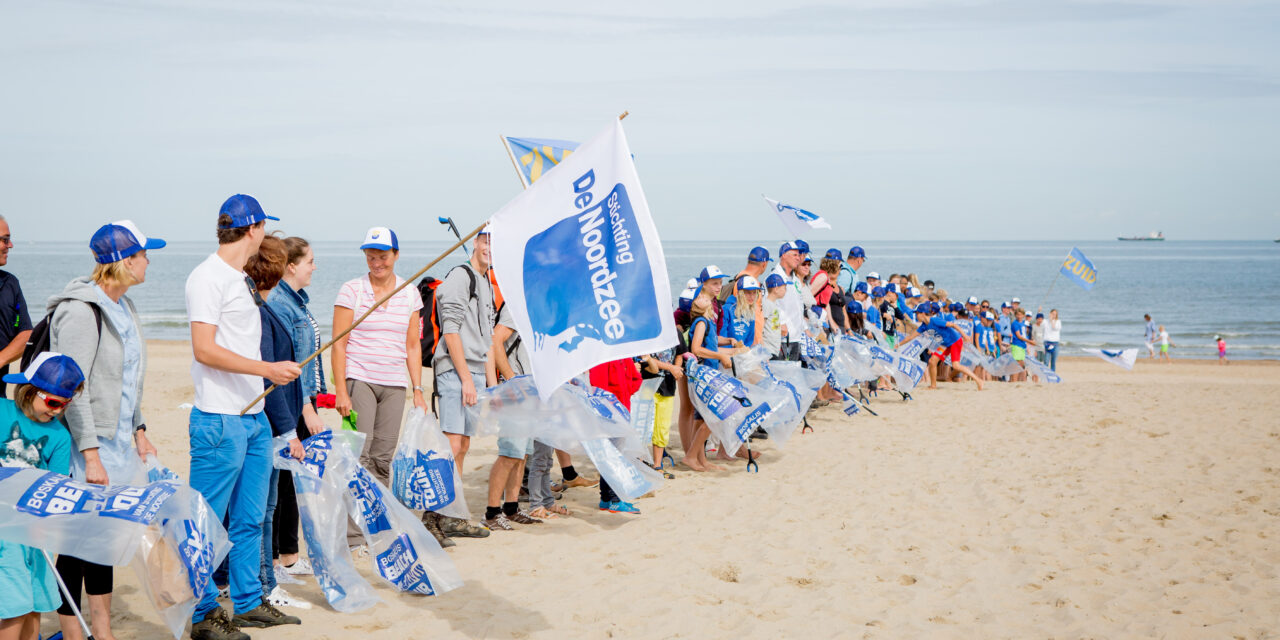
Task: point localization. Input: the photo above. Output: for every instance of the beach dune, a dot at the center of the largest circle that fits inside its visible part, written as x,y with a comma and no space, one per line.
1116,504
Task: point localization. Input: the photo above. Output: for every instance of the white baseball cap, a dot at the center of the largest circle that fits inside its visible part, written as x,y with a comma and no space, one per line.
748,283
873,275
381,238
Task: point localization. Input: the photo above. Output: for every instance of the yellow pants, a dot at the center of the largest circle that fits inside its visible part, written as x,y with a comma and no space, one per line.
662,407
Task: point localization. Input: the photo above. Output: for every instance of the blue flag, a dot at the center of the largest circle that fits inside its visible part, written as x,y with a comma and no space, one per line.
1079,269
536,156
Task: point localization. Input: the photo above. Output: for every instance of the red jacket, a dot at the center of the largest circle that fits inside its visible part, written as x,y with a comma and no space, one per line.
619,377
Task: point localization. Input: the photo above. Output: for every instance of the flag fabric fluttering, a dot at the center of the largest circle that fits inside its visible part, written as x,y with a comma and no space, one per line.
1123,358
580,264
536,156
1079,269
798,222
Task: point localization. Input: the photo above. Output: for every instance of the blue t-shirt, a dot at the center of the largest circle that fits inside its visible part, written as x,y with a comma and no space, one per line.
1003,326
25,443
982,335
873,313
709,340
1019,334
938,325
727,308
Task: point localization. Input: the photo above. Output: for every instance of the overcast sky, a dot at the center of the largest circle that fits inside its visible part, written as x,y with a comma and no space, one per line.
895,120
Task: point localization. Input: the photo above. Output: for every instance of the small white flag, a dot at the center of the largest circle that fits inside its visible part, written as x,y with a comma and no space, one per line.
797,221
1123,358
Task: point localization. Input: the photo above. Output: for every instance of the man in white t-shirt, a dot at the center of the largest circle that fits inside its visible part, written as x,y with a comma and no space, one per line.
791,304
231,453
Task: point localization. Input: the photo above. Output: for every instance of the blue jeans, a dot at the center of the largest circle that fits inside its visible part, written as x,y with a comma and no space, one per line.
267,576
230,467
1051,354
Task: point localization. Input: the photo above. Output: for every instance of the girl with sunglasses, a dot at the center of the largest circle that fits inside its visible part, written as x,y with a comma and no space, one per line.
95,323
32,439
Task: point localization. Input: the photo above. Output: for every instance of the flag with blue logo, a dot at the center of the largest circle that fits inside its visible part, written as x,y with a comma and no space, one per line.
580,264
536,156
1123,358
798,222
1079,270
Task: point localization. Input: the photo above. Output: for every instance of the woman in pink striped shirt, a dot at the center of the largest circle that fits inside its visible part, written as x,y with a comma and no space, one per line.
374,358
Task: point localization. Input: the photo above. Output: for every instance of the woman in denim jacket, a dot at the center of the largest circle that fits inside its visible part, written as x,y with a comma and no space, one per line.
289,301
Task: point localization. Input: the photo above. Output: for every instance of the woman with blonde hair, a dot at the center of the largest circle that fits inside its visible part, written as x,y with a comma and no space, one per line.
704,344
96,325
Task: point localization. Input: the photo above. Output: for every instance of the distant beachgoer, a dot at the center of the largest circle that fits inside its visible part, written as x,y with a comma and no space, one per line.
1165,343
1037,337
15,321
1222,349
1052,336
1149,335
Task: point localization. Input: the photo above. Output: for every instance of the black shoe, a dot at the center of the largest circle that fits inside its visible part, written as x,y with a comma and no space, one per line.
431,520
264,615
759,434
217,626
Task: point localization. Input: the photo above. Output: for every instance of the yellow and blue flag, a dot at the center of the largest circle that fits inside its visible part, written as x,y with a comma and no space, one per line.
536,156
1079,270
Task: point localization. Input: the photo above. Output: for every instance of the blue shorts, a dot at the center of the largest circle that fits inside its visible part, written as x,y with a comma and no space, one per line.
453,418
515,447
26,582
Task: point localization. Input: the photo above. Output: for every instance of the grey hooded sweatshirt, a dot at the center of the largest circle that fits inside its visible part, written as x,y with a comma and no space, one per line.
95,413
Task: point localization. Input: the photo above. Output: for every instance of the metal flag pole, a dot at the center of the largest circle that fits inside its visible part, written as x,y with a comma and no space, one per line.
453,227
1045,298
408,281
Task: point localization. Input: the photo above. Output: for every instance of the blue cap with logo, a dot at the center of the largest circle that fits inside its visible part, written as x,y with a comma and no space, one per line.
244,211
119,240
802,246
787,246
50,372
775,280
381,238
934,307
748,283
892,286
711,272
759,254
834,254
877,292
924,308
854,307
863,287
857,252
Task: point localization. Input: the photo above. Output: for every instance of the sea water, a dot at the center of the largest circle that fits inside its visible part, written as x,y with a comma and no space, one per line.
1195,289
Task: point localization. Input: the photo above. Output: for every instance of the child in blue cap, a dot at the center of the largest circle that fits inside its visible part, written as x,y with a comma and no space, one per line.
34,440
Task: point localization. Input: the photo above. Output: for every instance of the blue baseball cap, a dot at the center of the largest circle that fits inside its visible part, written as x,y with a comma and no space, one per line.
892,286
759,254
1039,315
748,283
244,211
863,287
924,308
50,372
119,240
1005,305
854,306
711,272
775,280
934,307
877,292
802,246
787,246
834,254
381,238
857,252
913,292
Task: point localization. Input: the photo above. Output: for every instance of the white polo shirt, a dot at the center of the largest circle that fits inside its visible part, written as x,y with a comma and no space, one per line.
791,305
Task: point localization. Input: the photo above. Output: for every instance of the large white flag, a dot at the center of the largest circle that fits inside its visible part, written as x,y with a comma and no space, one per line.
1123,358
579,262
797,221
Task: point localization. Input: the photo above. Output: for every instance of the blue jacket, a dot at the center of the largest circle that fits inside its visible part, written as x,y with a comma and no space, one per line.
291,307
284,405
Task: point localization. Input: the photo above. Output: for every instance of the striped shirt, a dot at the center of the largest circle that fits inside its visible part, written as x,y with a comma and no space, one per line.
376,348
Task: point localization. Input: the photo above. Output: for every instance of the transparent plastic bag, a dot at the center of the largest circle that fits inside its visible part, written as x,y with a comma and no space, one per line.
643,412
734,409
322,511
1036,368
512,409
52,512
1005,365
423,473
403,553
626,475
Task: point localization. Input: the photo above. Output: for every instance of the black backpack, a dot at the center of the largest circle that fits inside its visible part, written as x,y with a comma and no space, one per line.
429,332
41,336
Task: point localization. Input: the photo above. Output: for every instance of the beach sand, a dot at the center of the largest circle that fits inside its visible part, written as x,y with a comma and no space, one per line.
1117,504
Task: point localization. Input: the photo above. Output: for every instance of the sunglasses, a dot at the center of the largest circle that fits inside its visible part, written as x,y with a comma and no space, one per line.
253,291
51,401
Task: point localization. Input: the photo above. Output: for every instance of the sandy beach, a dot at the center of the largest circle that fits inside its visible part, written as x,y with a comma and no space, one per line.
1141,504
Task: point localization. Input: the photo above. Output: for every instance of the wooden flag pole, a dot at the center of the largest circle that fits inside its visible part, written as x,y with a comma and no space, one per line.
377,304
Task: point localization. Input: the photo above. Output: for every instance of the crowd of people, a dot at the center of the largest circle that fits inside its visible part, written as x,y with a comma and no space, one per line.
78,407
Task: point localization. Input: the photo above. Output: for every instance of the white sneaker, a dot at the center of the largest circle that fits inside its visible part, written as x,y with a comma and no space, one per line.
224,592
281,598
284,577
300,568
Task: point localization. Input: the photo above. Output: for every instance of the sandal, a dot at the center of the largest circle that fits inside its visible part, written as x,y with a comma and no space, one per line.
542,514
560,510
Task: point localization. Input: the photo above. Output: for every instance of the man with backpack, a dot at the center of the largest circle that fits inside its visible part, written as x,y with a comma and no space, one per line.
849,270
15,322
757,261
463,361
